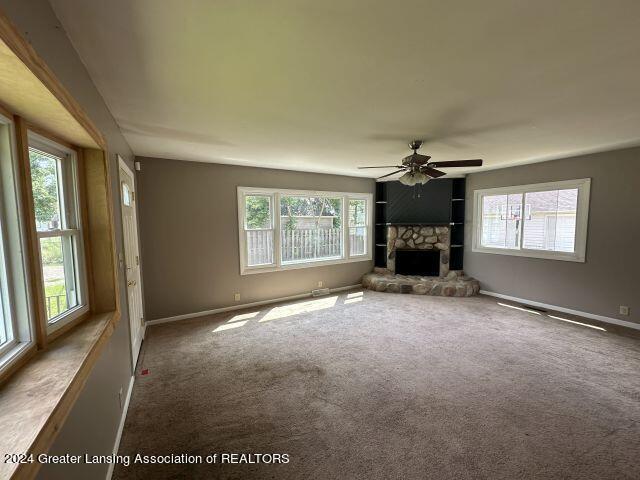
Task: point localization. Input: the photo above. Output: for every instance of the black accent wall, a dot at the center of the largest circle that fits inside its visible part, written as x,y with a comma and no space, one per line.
430,203
439,202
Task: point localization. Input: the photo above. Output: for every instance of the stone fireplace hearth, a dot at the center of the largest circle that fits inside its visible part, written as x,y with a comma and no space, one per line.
418,238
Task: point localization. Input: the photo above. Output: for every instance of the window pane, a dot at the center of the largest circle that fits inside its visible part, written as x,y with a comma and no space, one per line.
551,220
58,271
257,212
126,194
310,228
566,221
4,323
357,240
46,190
259,247
3,336
6,327
501,220
357,213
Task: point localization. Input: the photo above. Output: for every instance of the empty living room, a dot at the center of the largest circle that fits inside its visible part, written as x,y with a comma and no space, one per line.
319,240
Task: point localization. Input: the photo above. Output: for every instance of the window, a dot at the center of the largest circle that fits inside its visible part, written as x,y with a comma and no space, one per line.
258,227
15,311
542,220
7,317
310,228
55,198
358,226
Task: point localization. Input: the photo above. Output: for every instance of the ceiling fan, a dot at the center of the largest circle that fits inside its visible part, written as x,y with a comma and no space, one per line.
419,170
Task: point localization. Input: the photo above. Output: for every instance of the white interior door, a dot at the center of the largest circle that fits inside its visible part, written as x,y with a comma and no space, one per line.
131,257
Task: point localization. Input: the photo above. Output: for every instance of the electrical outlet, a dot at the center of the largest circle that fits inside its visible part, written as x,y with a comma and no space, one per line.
120,398
236,297
320,284
624,310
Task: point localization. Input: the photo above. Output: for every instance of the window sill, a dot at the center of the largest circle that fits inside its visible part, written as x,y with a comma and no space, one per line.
35,400
310,264
547,255
67,320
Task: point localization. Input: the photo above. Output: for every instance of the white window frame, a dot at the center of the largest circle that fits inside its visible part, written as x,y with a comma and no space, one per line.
278,264
69,178
14,269
275,241
582,219
367,225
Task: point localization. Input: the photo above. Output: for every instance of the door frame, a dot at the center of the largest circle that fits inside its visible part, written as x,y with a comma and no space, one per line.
135,349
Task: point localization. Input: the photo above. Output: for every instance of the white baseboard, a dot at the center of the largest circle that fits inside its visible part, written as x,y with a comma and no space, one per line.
592,316
125,409
243,306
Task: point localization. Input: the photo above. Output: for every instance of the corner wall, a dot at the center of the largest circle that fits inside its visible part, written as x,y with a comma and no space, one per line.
189,236
92,424
609,277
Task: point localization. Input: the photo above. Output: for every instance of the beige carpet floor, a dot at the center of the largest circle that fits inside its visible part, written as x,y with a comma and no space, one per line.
374,385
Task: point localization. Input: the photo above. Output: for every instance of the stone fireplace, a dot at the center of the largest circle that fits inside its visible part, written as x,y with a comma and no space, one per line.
409,242
418,238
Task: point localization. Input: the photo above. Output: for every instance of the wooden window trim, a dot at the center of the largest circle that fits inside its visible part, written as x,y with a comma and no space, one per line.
39,389
11,36
23,129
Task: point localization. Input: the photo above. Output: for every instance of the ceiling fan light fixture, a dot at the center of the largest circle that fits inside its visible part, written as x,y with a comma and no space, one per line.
421,178
408,179
419,169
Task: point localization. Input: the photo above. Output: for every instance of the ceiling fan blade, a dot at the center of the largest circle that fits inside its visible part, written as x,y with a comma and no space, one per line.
457,163
432,172
389,174
383,166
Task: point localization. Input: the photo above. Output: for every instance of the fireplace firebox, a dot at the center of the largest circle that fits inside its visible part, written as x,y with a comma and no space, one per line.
418,262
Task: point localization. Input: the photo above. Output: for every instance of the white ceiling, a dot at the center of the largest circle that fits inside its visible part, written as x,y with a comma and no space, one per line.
331,85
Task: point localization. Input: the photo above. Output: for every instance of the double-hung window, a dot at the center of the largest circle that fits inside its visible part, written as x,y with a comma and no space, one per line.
258,227
283,229
15,308
358,226
542,220
54,181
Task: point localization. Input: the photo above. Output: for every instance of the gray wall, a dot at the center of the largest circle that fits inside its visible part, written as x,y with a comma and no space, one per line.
189,236
93,422
609,277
